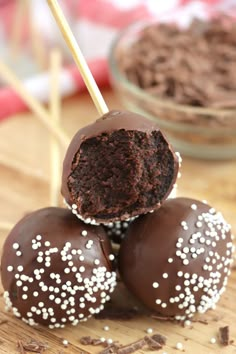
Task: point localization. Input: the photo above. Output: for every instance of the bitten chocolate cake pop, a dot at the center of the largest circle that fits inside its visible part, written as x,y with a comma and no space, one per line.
118,167
55,269
177,259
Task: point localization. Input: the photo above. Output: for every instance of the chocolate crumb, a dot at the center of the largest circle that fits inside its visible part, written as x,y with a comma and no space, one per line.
117,313
224,335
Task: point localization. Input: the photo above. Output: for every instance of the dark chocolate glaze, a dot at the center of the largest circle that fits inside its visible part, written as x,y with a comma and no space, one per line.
107,124
177,259
55,269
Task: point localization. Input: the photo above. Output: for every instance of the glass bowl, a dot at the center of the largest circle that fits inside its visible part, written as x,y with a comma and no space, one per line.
193,131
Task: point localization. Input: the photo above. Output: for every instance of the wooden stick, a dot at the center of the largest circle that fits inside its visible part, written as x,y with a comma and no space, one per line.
33,103
55,107
18,167
38,47
20,14
6,226
78,57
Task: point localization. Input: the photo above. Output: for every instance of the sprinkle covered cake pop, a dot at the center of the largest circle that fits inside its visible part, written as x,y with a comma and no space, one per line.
55,269
177,259
117,168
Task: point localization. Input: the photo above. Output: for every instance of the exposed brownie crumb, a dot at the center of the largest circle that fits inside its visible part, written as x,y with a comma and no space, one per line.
132,347
224,335
172,63
116,313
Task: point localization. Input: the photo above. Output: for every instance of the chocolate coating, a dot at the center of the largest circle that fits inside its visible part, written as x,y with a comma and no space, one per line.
55,269
177,259
118,167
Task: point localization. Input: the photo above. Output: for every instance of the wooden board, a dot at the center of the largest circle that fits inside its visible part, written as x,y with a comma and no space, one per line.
25,187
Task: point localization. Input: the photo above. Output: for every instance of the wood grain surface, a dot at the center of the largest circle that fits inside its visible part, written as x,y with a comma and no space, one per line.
24,186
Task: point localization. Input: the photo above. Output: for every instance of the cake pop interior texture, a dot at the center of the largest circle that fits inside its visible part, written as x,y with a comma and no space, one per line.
177,259
118,167
55,269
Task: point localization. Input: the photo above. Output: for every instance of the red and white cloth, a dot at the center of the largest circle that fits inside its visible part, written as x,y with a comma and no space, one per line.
95,24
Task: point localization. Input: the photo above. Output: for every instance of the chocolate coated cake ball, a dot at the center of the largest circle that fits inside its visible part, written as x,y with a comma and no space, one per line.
177,259
118,167
55,269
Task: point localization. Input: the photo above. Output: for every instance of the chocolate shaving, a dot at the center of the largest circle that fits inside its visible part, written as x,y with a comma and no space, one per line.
87,340
33,347
159,338
132,347
224,335
117,313
152,344
111,349
162,318
20,347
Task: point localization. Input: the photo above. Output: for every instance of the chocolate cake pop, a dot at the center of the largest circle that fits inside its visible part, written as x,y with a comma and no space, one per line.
118,167
55,269
177,259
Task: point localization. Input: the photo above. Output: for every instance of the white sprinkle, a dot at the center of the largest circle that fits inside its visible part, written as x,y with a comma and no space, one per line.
111,257
102,339
106,328
187,323
81,258
24,297
149,330
179,346
82,269
194,206
109,341
178,287
35,294
20,268
165,275
65,342
84,233
212,340
10,268
38,237
47,243
170,260
185,261
15,246
155,285
96,262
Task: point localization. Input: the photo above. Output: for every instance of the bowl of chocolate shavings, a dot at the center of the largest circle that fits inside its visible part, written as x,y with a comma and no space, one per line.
185,79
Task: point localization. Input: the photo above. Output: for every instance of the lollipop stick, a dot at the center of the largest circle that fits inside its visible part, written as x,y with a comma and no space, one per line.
6,226
21,12
78,57
55,106
9,77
